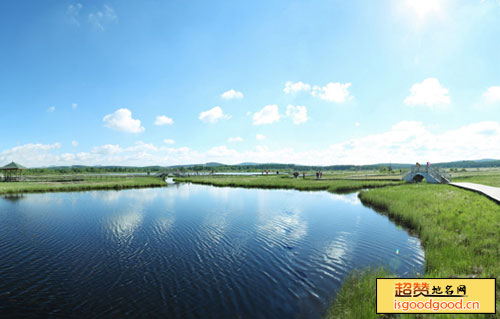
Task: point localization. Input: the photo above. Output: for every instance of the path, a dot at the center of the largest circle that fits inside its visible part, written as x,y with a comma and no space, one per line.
489,191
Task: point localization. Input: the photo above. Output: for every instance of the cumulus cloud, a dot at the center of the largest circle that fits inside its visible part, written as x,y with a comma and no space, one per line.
74,143
121,120
68,157
213,115
404,142
297,113
428,93
232,94
51,109
168,141
221,152
269,114
235,139
107,149
32,154
101,17
292,88
335,92
73,13
163,120
492,95
260,137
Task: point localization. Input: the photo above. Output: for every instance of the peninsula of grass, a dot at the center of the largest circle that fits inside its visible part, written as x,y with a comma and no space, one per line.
459,231
287,182
115,183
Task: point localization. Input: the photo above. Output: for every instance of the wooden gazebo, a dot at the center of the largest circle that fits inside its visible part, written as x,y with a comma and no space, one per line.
12,172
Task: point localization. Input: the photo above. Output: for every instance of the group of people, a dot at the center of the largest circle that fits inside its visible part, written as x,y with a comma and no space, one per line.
428,164
296,174
319,174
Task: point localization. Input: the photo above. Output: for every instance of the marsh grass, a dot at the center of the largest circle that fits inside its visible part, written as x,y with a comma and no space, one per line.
356,297
459,231
287,182
490,179
91,184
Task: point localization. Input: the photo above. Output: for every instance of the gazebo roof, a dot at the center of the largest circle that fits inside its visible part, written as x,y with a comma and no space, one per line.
13,165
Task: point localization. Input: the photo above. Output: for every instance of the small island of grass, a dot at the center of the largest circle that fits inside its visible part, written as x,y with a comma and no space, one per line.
85,183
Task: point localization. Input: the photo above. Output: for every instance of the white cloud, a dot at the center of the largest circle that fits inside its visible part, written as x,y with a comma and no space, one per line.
492,95
121,120
107,149
232,94
51,109
221,152
74,106
73,13
213,115
235,139
357,124
269,114
297,113
31,155
291,88
163,120
141,147
101,17
68,157
260,137
168,141
428,93
404,142
333,92
74,143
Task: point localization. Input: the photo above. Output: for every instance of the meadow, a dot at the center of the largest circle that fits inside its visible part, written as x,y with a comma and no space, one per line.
458,230
330,182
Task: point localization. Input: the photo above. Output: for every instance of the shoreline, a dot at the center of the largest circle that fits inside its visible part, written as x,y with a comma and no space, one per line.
457,229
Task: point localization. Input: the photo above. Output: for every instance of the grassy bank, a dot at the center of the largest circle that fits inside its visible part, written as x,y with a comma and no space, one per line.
358,288
287,182
490,179
458,230
91,184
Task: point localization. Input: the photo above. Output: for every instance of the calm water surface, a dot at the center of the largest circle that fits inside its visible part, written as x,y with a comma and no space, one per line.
189,251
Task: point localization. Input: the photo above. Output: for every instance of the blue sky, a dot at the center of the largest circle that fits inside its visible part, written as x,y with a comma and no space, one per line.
309,82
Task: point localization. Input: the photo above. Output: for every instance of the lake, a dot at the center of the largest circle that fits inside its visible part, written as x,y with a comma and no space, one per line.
189,251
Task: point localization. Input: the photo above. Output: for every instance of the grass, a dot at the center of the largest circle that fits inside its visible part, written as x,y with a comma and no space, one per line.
87,184
459,231
359,285
287,182
490,179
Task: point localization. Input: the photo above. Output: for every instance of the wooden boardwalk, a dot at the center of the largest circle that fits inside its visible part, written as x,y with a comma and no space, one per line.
489,191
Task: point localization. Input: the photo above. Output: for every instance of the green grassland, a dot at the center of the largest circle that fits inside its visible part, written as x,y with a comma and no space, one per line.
84,184
288,182
459,231
491,178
